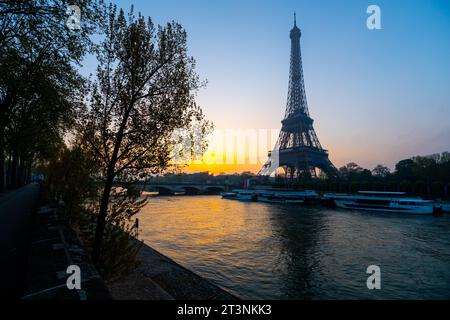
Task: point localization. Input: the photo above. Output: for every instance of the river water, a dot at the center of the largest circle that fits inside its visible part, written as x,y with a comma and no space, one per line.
267,251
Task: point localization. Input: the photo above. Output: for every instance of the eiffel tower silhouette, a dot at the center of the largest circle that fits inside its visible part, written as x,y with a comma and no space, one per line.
298,150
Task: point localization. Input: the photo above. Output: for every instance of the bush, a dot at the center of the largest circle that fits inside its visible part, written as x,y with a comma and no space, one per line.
420,187
405,186
120,244
71,177
437,188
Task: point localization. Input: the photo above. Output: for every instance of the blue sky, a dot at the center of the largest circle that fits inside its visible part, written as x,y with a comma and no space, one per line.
377,96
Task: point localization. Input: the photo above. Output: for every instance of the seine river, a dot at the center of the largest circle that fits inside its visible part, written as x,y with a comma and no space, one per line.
267,251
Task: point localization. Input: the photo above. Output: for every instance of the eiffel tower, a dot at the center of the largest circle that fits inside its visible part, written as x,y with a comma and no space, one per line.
298,150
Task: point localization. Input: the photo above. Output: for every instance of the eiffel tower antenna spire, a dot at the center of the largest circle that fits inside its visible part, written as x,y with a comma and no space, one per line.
295,19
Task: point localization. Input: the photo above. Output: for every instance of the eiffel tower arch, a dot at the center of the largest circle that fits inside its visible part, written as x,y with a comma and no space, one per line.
298,150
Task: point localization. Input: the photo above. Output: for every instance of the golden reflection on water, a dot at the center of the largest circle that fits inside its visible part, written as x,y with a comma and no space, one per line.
203,220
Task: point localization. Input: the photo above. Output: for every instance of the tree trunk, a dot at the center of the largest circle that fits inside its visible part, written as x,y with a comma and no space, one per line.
28,176
2,166
2,159
14,168
101,220
8,170
21,175
5,105
110,173
2,148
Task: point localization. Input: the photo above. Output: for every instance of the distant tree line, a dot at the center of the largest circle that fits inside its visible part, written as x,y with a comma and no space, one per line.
427,176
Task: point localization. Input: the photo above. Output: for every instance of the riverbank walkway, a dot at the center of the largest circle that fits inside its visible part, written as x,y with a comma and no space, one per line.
160,278
16,220
37,245
54,248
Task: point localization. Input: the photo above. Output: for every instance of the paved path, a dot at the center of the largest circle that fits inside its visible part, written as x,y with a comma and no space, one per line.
54,247
16,219
160,278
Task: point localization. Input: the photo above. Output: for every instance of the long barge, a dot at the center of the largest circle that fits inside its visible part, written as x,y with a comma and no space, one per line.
381,201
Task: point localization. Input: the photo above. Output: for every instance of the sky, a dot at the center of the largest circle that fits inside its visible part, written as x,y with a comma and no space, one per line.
376,96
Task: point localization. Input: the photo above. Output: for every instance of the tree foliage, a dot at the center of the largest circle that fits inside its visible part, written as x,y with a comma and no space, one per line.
39,83
381,171
143,92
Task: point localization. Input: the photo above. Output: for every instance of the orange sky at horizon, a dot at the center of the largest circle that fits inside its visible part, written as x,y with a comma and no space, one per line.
237,150
223,168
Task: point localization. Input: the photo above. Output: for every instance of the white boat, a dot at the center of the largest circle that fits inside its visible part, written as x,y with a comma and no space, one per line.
240,194
272,195
229,195
289,197
275,198
382,201
246,196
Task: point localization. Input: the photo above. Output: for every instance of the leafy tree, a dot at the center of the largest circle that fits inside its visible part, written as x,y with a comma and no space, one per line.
71,176
381,171
351,171
120,246
143,92
404,169
405,186
425,168
38,55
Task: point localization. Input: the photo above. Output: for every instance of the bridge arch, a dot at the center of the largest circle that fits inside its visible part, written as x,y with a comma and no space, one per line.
164,191
191,190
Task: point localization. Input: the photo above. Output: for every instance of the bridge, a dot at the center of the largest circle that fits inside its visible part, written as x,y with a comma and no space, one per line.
185,188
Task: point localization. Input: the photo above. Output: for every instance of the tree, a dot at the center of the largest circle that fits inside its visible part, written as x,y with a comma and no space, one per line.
350,170
36,45
381,171
71,176
404,169
144,91
40,117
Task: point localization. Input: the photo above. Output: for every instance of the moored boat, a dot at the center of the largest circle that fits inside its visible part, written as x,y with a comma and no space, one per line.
229,195
275,198
396,202
246,196
287,197
240,194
